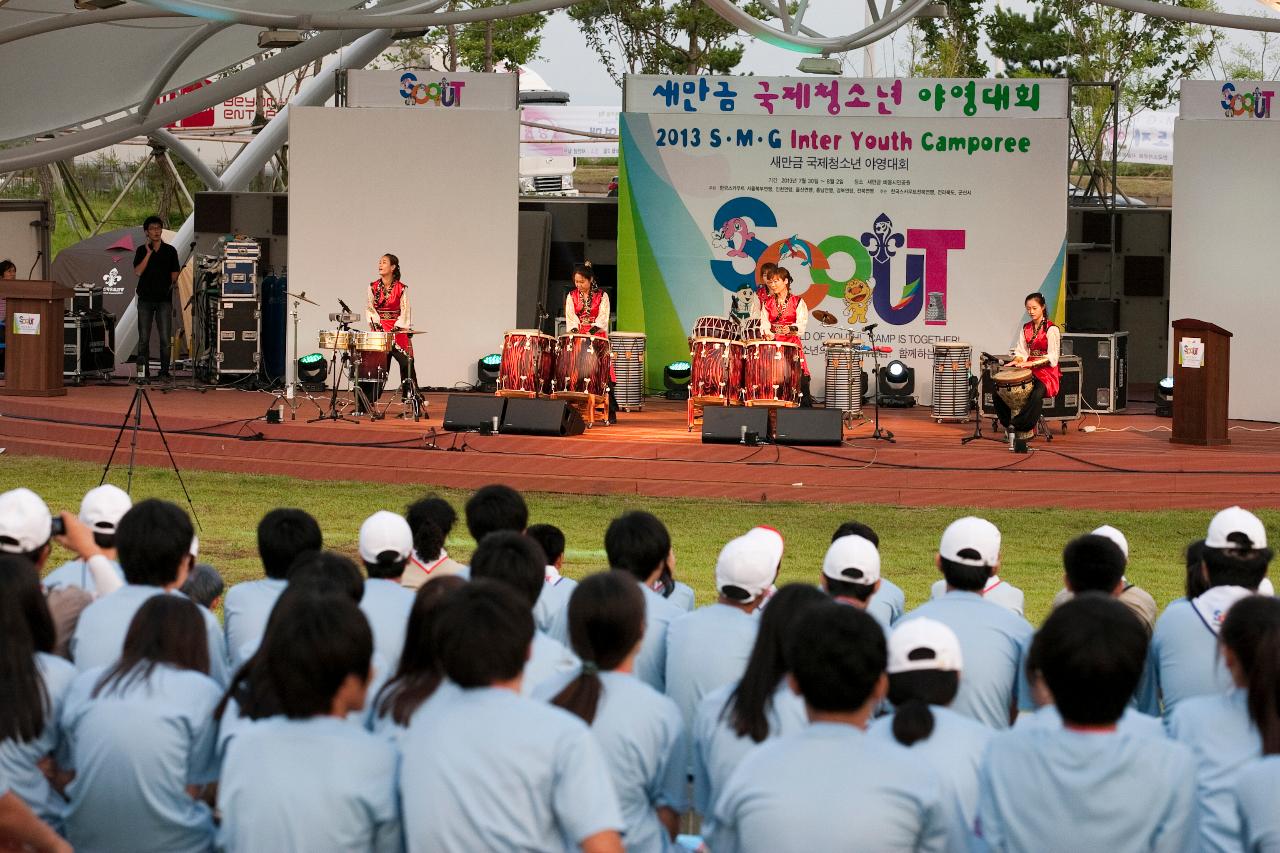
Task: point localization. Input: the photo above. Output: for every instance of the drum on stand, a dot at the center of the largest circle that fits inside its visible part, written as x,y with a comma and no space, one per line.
771,373
843,376
582,366
752,329
952,365
528,357
371,373
628,369
716,371
722,328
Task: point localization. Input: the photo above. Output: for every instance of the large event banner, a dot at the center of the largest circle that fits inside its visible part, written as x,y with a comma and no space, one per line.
423,87
927,208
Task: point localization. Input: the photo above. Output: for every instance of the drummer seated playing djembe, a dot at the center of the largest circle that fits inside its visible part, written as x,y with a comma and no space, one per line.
1037,350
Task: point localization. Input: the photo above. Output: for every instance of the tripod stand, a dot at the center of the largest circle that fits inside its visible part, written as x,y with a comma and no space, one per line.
289,393
134,412
878,433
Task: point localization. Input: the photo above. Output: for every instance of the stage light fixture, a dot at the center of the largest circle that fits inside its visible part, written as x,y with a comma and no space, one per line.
896,385
1164,398
312,369
676,376
280,39
487,371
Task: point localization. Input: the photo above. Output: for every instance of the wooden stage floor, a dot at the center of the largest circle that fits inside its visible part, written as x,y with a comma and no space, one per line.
1126,462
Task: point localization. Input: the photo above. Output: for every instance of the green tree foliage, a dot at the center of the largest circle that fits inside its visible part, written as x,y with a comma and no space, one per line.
1034,46
503,44
948,47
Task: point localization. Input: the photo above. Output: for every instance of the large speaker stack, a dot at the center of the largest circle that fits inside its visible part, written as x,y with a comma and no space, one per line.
89,332
514,415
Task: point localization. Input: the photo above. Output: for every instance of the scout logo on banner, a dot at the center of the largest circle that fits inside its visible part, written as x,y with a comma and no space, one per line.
928,207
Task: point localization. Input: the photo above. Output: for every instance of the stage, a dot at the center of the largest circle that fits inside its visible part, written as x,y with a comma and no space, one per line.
1127,462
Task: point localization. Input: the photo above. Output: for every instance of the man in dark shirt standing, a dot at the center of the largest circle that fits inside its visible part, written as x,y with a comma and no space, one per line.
156,263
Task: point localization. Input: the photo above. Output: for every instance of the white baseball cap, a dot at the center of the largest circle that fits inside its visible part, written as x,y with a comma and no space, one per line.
923,644
852,559
103,507
747,563
385,531
1231,520
1115,536
973,533
25,522
194,547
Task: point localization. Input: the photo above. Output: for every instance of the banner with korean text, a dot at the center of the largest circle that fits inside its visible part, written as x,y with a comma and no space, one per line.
927,207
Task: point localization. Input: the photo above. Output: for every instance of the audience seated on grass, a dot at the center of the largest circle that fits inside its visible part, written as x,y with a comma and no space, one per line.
640,732
995,589
639,544
385,545
156,542
785,794
1220,728
732,720
851,576
141,734
556,588
283,535
495,508
516,560
488,769
925,668
431,520
709,647
1183,660
1258,784
1086,785
307,779
1130,594
993,639
100,510
204,586
889,602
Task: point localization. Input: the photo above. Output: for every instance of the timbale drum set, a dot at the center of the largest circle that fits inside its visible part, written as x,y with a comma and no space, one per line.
365,360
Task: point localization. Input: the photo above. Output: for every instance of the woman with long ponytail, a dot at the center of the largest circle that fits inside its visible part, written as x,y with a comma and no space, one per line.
732,720
924,674
33,684
1258,788
639,730
1225,732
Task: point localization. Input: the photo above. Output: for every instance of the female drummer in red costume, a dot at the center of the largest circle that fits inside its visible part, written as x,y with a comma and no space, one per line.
388,309
586,312
783,317
1038,348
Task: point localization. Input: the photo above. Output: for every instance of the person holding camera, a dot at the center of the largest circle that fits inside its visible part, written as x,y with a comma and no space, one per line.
156,264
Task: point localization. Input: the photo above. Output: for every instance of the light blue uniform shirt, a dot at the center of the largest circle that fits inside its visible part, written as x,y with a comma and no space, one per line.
651,663
76,573
643,741
832,788
1131,722
954,750
997,591
99,635
994,642
491,770
385,726
245,611
552,606
1258,798
891,598
547,659
717,749
134,752
682,596
1223,738
386,604
309,785
1061,790
18,760
706,649
1182,662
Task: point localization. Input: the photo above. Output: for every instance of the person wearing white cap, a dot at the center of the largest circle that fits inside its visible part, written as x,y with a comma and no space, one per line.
1183,660
385,544
1086,785
831,786
925,666
710,646
851,575
995,589
1130,594
156,542
101,509
994,639
888,602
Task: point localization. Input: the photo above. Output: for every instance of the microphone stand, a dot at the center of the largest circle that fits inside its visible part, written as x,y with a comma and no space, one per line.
975,396
877,433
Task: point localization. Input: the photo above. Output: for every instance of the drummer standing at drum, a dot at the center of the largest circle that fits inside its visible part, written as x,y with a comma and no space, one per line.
1037,349
586,312
783,317
388,309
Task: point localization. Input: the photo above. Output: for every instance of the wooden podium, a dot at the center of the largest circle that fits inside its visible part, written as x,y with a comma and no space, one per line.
1200,383
33,337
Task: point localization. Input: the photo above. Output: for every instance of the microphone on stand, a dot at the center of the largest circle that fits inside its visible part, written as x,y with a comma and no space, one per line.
39,255
345,306
870,328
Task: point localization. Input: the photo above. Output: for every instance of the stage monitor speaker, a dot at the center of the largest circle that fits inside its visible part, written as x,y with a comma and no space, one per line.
725,424
213,213
467,412
279,215
810,426
542,417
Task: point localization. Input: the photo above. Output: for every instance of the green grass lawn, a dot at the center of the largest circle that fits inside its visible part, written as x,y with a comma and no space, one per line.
229,506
